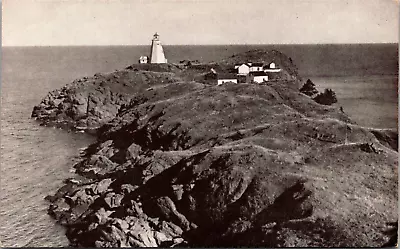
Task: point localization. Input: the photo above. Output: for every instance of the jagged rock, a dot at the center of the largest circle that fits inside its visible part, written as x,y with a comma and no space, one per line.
133,151
178,191
122,224
113,200
99,243
161,238
177,241
106,149
369,148
102,186
117,236
168,209
93,101
102,215
134,208
59,210
101,161
66,190
135,243
81,197
93,226
171,230
142,235
240,164
148,239
128,188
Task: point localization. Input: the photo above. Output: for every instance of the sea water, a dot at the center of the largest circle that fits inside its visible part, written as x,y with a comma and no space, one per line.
35,159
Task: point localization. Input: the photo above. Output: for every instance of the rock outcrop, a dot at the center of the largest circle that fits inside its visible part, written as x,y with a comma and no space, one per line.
182,163
88,103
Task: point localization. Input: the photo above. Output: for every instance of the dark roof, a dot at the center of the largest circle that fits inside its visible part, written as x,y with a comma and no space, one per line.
247,64
226,76
257,64
268,65
258,73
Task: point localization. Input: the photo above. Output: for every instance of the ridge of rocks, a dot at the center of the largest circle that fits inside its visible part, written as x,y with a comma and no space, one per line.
180,162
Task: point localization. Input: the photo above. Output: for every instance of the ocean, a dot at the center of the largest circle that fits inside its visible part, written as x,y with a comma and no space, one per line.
35,159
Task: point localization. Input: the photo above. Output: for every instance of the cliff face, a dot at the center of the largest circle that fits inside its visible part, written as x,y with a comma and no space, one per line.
88,103
179,162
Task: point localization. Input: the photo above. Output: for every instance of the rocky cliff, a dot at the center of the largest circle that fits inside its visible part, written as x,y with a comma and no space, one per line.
179,162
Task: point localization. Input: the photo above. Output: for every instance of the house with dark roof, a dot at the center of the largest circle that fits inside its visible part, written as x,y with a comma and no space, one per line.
257,77
244,69
271,68
226,78
256,67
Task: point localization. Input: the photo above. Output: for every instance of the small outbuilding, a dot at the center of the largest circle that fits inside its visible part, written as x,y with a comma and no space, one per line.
258,77
212,75
226,78
143,59
272,68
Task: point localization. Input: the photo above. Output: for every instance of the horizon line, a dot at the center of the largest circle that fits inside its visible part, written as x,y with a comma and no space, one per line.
235,44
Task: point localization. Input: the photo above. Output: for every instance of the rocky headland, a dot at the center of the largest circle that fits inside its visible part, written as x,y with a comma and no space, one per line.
180,161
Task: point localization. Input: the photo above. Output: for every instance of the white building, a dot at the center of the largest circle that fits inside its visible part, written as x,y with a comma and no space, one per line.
256,67
243,69
271,68
157,52
226,78
143,59
258,77
222,81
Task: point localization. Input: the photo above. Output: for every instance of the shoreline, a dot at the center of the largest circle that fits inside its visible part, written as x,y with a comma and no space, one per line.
175,159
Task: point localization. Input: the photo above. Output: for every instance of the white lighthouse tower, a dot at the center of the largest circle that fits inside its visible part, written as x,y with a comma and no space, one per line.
157,52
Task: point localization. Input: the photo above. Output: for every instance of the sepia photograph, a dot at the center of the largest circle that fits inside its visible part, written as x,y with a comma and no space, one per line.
199,123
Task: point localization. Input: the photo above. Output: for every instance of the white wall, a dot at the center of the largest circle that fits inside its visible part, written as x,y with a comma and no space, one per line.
143,59
243,70
157,53
260,79
256,69
220,82
274,70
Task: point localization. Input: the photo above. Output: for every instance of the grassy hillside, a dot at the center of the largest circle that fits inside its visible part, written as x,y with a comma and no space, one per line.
180,162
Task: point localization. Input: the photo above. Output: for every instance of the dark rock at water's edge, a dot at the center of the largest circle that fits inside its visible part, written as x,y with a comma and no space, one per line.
180,161
88,103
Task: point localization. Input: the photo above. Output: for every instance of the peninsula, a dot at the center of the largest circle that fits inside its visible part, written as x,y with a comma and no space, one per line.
182,161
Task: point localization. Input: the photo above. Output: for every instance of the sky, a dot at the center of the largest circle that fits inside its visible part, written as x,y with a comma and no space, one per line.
133,22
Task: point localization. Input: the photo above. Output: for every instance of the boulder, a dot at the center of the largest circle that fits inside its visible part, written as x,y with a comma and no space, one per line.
102,215
236,164
81,197
133,151
121,224
169,211
113,200
128,188
102,186
161,238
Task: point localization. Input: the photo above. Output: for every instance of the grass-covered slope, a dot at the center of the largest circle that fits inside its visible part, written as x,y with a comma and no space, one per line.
178,162
87,103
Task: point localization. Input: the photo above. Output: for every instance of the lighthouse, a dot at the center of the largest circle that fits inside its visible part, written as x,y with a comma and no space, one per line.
157,52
